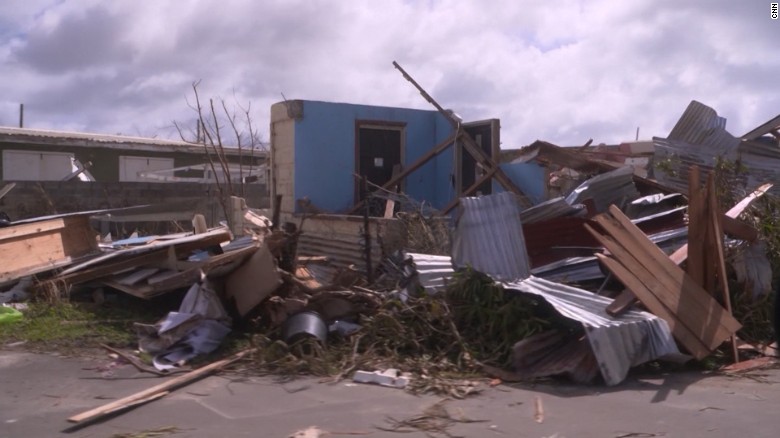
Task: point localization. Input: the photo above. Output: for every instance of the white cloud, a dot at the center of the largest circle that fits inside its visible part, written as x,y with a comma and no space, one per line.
560,71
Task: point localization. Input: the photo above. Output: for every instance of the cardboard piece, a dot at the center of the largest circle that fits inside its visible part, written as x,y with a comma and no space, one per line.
253,281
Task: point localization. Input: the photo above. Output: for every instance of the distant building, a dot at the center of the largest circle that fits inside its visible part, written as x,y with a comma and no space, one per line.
41,155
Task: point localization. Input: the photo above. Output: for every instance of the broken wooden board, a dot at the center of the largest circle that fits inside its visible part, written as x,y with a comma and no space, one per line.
36,247
681,254
154,392
142,256
698,321
697,227
215,266
253,281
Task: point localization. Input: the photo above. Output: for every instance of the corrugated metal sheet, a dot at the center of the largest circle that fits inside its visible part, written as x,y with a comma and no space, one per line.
433,270
342,250
489,237
701,140
570,270
617,342
556,207
579,269
614,187
696,123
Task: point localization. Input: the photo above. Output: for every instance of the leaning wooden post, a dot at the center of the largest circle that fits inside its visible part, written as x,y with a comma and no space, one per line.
366,232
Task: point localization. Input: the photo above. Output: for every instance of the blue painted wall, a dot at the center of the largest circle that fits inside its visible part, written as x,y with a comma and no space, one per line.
325,153
529,177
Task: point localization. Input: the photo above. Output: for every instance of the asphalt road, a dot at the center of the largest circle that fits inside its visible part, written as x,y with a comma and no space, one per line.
39,392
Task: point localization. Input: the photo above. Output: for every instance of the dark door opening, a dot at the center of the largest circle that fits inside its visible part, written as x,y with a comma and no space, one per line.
486,135
379,151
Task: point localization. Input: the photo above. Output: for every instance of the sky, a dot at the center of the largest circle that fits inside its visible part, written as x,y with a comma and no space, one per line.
559,71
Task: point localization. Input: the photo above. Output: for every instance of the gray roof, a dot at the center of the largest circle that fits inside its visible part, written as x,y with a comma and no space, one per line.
122,142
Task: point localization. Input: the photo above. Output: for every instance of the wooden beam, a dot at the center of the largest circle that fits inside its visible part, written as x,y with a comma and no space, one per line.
738,229
468,191
681,254
622,303
697,227
439,148
35,247
7,188
471,146
719,256
155,391
700,310
655,305
689,304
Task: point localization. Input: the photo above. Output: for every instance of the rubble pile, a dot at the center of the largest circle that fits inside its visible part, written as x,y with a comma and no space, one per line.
618,270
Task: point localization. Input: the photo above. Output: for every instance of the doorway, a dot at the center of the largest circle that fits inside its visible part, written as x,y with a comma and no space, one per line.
379,150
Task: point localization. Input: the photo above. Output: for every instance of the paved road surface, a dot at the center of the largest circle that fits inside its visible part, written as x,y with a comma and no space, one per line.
39,392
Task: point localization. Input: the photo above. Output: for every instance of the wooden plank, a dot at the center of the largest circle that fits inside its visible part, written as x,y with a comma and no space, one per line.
7,188
41,246
697,226
469,191
110,268
622,303
694,298
668,297
439,148
137,276
154,391
720,258
738,229
18,231
679,256
689,341
742,205
162,276
469,144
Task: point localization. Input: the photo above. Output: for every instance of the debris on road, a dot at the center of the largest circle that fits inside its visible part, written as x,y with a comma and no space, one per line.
623,257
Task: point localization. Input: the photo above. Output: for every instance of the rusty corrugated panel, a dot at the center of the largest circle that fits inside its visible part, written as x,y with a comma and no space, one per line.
489,238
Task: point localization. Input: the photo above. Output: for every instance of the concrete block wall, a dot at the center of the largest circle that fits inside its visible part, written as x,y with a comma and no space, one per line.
32,199
282,182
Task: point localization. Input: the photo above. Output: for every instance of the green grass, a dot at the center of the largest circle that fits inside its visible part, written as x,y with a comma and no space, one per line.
66,327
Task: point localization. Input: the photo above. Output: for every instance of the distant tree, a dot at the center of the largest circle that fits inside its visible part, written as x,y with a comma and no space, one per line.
217,130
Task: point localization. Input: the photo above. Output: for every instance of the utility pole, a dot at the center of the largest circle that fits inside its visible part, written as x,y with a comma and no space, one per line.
21,115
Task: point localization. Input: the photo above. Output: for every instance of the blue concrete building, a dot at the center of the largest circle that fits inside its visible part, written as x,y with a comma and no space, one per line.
319,150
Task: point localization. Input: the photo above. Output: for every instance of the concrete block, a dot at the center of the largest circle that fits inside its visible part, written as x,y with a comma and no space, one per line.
390,377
